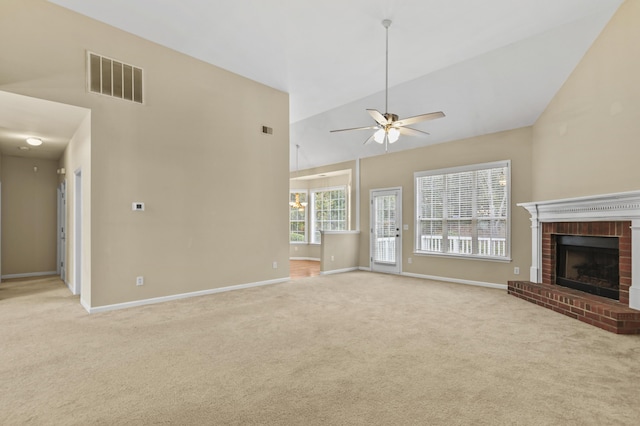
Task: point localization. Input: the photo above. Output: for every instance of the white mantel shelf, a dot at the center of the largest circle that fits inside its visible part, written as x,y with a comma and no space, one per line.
607,207
619,206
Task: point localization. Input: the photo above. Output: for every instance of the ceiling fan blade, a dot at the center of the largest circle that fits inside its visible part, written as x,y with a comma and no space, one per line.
419,118
408,131
355,128
369,139
378,117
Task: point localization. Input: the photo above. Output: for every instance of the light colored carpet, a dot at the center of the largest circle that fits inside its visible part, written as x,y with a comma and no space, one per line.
350,349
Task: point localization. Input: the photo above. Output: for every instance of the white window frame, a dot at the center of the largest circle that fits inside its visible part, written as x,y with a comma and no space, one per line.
306,216
312,206
451,170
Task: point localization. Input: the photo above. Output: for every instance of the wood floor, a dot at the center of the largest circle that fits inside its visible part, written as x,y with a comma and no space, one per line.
303,268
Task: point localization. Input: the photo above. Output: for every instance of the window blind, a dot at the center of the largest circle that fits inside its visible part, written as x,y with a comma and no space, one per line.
464,211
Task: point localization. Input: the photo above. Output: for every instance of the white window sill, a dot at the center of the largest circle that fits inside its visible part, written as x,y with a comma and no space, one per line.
464,256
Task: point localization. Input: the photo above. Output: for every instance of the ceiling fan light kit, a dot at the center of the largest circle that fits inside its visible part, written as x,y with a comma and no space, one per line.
389,127
392,135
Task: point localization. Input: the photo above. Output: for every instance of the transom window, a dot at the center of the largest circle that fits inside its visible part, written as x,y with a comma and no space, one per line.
464,211
329,211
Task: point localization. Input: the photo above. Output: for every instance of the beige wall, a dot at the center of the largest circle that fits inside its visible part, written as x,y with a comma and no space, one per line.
304,251
77,159
587,141
340,251
29,215
201,178
396,170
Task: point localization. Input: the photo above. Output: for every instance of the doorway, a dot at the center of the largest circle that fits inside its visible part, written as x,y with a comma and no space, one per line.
62,234
386,234
77,233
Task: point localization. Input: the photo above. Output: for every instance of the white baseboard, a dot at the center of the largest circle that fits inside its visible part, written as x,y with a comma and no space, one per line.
365,268
456,280
315,259
339,271
85,305
105,308
28,275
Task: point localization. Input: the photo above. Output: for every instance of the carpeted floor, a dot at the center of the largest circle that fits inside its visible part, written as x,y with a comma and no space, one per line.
349,349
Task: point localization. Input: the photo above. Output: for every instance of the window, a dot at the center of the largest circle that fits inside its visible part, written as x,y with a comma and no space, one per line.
298,216
464,211
329,212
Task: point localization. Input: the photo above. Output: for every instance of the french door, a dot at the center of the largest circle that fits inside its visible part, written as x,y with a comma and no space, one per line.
386,230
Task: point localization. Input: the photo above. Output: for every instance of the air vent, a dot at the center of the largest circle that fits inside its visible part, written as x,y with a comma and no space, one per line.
267,130
114,78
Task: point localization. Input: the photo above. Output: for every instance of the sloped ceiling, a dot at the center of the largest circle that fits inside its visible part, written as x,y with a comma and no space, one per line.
22,117
489,65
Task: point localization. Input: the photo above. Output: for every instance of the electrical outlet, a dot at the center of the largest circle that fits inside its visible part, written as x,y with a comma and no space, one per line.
410,260
275,265
516,270
332,258
139,280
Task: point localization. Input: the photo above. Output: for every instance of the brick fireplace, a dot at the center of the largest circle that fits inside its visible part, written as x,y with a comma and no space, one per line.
621,230
610,218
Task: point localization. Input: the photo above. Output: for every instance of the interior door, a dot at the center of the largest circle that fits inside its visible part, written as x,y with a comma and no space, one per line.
386,226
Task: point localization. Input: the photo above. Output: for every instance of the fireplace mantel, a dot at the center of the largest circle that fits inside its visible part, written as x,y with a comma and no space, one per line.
609,207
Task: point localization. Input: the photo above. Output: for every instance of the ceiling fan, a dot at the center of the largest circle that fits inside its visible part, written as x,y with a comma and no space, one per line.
389,127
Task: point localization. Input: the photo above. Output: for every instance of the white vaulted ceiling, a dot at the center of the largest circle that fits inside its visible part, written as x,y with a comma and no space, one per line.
489,65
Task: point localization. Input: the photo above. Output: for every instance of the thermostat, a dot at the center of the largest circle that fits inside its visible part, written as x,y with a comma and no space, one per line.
137,207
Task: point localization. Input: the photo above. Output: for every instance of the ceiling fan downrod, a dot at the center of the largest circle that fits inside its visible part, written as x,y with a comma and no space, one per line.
386,24
389,127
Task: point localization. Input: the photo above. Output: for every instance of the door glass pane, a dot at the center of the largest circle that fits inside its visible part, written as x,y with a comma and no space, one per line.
385,228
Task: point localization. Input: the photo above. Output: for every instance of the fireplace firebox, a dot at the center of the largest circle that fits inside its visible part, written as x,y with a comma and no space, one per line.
589,264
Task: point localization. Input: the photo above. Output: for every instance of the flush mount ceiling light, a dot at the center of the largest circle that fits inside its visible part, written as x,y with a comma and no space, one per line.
34,141
389,127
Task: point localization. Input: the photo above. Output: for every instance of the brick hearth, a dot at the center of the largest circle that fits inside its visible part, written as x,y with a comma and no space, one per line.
599,311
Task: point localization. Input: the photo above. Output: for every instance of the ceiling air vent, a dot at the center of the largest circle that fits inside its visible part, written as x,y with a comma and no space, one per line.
114,78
